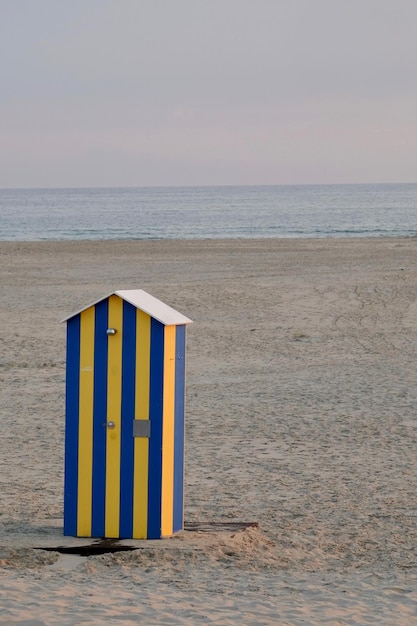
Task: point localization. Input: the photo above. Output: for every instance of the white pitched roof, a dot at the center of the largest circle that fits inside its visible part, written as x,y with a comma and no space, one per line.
146,303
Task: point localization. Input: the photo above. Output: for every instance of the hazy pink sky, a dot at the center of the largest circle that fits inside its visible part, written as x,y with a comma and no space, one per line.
202,92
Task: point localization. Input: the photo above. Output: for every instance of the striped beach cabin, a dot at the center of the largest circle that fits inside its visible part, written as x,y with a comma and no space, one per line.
124,424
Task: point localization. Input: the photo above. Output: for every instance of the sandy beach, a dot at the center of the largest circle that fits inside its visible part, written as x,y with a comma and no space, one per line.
301,417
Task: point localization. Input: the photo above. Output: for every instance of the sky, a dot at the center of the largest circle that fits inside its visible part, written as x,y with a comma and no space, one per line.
100,93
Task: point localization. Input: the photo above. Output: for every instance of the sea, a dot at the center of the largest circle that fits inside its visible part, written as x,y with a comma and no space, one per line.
268,211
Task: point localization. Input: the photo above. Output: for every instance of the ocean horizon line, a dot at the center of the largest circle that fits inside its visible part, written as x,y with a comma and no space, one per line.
207,186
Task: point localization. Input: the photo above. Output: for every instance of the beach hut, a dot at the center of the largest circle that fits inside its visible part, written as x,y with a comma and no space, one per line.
124,425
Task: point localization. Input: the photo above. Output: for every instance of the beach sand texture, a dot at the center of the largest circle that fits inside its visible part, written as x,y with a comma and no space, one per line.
301,416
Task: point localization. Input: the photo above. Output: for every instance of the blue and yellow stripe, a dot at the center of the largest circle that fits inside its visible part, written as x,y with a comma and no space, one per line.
141,444
118,485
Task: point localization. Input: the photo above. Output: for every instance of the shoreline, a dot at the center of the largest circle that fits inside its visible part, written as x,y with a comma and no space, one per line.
213,239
